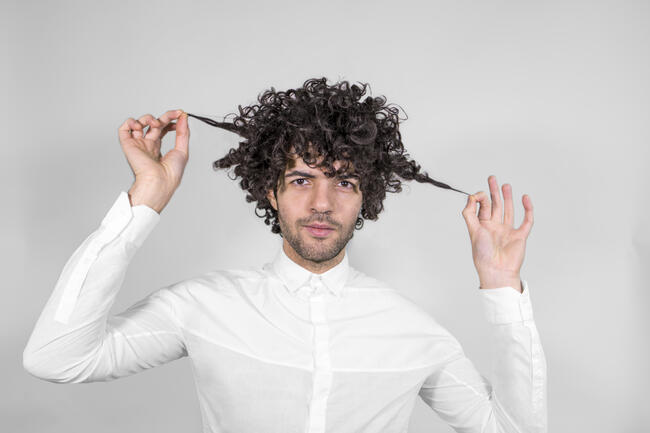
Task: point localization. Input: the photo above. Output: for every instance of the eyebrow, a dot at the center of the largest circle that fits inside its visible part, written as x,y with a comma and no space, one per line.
311,176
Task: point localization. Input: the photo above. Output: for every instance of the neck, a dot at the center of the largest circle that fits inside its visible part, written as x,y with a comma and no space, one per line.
311,266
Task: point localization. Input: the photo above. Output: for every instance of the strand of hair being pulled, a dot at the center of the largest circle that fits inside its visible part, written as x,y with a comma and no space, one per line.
228,126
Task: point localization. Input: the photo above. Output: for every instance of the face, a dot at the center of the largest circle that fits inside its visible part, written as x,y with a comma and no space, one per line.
308,198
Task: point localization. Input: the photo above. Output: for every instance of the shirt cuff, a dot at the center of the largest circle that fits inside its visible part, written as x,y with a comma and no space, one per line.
505,305
134,223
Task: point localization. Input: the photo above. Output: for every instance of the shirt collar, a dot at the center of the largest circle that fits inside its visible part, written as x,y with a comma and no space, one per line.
295,276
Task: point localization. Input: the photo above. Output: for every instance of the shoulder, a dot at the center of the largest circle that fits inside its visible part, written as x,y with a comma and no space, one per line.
396,305
360,281
220,282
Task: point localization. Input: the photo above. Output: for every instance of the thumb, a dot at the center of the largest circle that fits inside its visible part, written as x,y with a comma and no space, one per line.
182,134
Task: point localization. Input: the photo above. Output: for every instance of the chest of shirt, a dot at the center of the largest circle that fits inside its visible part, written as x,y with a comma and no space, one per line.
364,330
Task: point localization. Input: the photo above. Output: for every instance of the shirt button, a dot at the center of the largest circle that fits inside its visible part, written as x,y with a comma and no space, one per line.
317,283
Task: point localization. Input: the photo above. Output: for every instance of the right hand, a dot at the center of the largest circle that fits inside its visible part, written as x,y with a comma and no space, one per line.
156,176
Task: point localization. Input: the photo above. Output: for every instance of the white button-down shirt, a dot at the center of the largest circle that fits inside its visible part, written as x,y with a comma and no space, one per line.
280,349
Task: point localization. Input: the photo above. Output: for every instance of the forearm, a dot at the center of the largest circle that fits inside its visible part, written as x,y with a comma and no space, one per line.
71,327
519,364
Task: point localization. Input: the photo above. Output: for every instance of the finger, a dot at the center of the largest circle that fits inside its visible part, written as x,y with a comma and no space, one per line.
182,134
136,128
509,211
168,116
143,119
484,211
149,121
155,129
495,194
527,224
166,129
165,121
124,131
469,213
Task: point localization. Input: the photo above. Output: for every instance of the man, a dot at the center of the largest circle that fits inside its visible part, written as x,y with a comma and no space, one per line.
307,342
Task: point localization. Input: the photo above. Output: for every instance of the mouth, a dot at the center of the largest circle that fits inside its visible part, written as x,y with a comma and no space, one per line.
319,231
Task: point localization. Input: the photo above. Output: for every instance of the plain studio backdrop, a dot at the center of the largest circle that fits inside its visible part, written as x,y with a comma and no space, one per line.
551,97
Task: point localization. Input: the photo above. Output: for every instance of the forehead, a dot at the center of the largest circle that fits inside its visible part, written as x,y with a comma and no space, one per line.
294,161
299,163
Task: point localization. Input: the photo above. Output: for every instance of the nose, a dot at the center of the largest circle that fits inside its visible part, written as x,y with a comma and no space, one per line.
322,199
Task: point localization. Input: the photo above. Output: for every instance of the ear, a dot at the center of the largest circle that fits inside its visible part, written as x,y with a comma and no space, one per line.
271,197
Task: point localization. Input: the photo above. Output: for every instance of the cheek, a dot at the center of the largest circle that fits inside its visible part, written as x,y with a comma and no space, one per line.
359,204
289,210
353,211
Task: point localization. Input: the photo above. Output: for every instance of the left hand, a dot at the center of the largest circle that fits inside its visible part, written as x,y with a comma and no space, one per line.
498,248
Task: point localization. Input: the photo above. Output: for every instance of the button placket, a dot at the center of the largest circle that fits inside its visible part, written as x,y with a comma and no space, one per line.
322,374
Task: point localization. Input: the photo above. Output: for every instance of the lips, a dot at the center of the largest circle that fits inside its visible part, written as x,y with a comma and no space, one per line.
320,226
319,231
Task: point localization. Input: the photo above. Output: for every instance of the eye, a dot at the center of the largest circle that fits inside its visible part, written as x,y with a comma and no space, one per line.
346,184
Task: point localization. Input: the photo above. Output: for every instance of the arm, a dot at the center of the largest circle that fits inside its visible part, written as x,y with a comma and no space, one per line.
75,339
515,401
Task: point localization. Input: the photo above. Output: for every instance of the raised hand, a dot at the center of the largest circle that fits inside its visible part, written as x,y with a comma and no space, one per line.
156,176
498,249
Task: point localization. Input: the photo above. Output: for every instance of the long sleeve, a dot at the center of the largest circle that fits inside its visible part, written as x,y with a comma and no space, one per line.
75,339
515,401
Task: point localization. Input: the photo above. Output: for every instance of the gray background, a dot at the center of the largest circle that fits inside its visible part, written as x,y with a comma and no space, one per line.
552,97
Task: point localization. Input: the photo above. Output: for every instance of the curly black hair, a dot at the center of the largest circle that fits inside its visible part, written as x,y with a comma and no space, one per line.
318,120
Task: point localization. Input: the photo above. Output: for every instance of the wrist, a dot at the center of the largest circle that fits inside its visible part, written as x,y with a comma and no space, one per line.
493,283
148,195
